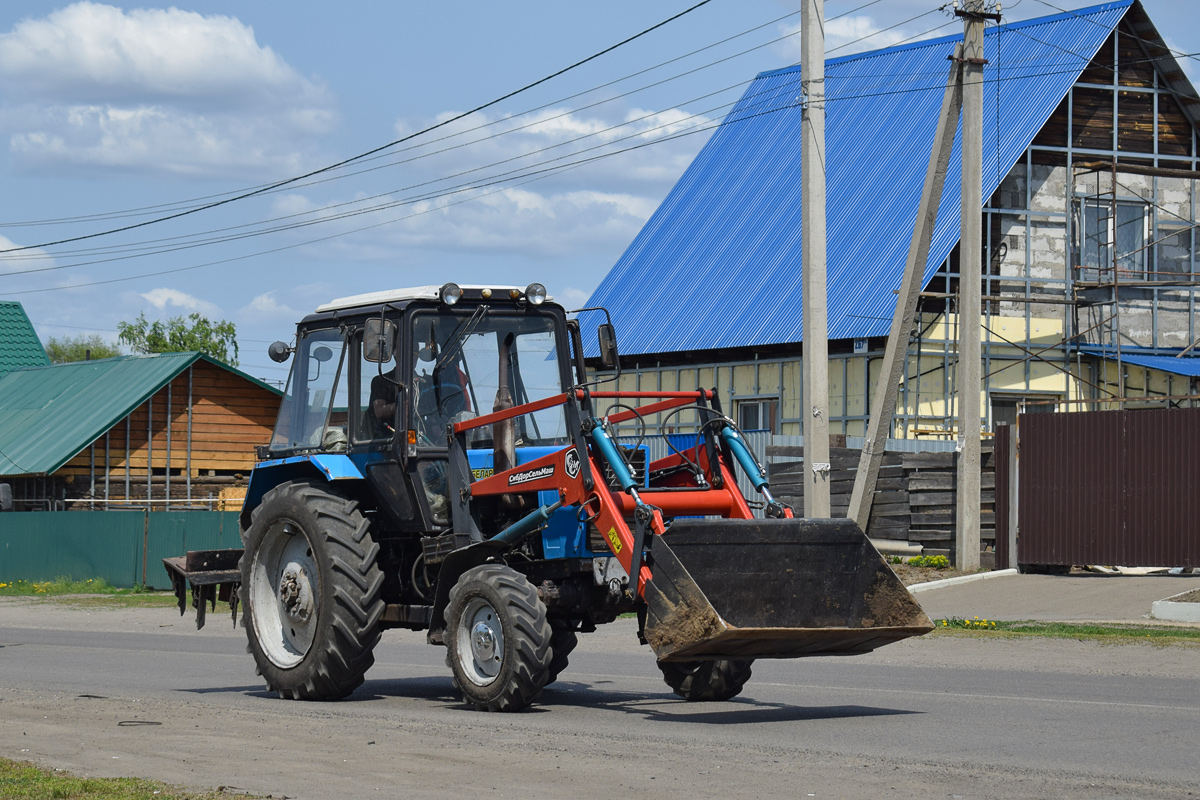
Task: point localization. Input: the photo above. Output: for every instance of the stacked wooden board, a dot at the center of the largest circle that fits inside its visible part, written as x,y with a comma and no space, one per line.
914,497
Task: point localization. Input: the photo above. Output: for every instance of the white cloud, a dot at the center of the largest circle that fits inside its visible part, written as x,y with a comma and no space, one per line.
855,34
163,90
163,298
571,297
21,260
597,207
267,305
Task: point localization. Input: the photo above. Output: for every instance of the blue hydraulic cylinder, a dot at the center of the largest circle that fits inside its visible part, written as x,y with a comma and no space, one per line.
526,524
744,457
609,451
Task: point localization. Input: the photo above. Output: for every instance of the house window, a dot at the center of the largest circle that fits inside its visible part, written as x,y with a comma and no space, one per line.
759,414
1005,407
1173,249
1114,241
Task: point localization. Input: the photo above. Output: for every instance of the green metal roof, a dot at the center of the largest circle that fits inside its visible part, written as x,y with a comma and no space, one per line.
49,414
19,345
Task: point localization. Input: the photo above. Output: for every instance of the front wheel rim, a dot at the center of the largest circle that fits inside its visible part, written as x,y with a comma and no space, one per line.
480,642
284,587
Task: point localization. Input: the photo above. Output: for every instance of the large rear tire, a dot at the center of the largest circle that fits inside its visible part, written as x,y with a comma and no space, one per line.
706,681
498,639
311,590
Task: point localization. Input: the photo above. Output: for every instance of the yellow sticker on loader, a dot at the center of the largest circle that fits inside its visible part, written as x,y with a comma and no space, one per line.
614,540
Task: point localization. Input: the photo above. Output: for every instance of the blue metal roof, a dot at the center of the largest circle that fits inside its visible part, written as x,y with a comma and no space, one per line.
718,264
1188,366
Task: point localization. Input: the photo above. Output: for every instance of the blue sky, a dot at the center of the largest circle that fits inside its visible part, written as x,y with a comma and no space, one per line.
113,114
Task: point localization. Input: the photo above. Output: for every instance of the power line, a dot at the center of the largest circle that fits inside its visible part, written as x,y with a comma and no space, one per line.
373,151
1125,33
502,178
143,210
129,248
520,174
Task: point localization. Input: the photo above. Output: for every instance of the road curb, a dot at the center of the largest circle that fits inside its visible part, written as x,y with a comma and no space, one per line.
982,576
1175,612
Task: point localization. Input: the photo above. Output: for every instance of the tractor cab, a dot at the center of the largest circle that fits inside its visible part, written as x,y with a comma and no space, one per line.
377,380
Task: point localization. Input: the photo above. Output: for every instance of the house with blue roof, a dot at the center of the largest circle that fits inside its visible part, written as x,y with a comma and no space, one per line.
1090,272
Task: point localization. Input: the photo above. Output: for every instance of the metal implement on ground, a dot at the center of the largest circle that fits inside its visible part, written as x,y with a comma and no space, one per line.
442,462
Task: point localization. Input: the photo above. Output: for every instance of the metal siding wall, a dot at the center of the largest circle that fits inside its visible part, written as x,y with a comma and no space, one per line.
41,546
173,533
1110,487
1162,495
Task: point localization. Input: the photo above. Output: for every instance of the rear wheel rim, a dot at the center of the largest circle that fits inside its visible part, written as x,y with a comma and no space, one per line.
284,588
480,642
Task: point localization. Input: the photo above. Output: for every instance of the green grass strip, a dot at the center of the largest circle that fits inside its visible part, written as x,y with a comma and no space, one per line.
1082,631
24,781
63,585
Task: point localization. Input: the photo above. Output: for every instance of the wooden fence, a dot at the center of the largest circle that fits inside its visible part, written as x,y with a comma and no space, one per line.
914,497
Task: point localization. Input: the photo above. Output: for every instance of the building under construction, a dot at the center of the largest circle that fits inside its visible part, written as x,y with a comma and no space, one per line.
1090,274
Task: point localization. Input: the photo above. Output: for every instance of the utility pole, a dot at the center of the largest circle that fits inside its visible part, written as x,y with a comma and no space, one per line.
968,381
892,367
816,326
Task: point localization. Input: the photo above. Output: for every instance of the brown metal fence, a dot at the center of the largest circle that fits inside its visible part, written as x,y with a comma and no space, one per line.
1003,449
1110,487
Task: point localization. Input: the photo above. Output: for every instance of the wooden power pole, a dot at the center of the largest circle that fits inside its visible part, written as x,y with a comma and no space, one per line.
815,410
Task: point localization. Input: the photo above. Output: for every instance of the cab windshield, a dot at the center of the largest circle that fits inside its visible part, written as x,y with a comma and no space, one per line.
474,362
315,408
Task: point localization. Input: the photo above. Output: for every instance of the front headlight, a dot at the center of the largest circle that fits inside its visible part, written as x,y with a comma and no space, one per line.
535,293
451,293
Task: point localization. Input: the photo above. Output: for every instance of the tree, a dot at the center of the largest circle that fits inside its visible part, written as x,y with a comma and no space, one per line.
75,348
179,335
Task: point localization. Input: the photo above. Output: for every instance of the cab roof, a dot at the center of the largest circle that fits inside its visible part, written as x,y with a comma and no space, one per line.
403,295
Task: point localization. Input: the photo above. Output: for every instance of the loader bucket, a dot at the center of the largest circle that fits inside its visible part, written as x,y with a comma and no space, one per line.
774,588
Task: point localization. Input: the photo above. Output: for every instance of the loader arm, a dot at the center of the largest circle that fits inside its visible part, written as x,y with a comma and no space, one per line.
733,587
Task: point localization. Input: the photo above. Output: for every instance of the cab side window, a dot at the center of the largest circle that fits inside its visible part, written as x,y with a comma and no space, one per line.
379,394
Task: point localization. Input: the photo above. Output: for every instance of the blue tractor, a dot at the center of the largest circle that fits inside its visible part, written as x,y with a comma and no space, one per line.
442,462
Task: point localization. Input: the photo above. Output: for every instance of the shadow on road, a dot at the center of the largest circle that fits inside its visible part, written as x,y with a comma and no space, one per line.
665,706
655,706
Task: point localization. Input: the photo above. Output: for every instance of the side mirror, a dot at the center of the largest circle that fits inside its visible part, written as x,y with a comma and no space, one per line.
279,352
608,345
379,338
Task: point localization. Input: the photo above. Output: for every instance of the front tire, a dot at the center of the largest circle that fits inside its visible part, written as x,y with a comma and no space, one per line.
311,590
498,639
706,681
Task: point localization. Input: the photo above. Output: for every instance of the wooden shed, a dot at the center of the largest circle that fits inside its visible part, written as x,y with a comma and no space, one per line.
177,428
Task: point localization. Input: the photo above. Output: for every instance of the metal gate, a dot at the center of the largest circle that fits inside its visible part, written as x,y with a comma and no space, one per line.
1109,487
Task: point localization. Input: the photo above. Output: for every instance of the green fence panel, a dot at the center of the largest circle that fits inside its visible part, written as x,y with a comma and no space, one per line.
42,546
122,547
173,533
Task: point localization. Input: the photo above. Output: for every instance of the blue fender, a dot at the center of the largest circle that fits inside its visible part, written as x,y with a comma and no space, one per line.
269,474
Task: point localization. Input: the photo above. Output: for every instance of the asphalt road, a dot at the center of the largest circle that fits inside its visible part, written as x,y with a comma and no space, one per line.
139,693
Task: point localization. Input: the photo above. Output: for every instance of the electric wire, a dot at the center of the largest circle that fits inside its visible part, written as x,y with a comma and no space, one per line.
831,99
537,175
373,151
142,210
139,246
